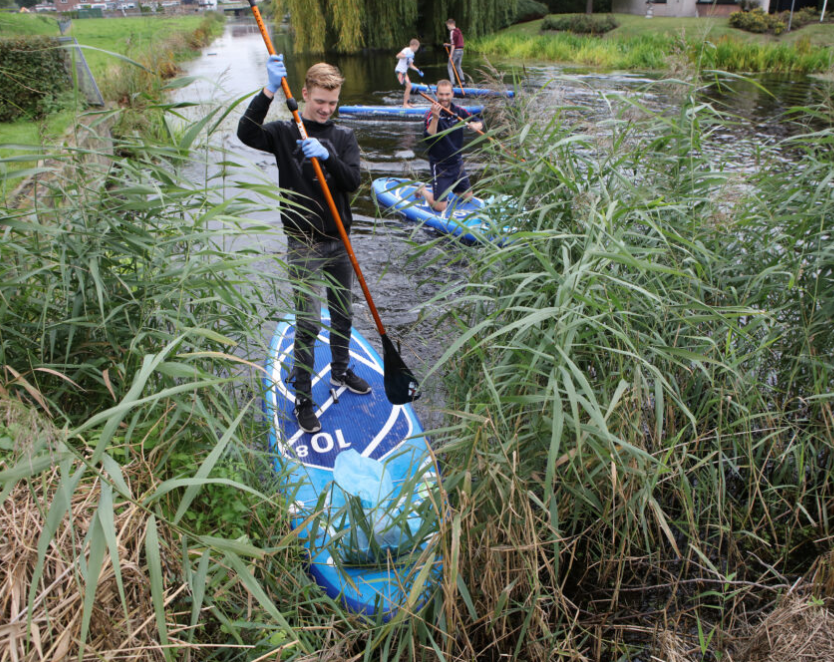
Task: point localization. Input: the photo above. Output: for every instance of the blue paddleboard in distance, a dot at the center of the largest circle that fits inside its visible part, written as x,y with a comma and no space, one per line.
464,91
463,218
394,112
368,424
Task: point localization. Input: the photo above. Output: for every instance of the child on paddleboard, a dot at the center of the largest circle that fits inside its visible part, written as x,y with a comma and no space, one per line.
405,61
315,252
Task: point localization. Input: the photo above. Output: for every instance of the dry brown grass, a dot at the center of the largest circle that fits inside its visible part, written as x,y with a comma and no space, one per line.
51,631
798,630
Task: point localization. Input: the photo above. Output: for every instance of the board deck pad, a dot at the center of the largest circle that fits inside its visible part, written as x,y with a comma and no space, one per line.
394,112
368,424
464,218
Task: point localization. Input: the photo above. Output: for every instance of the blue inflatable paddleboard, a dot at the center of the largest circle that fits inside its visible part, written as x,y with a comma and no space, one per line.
394,112
373,427
465,91
464,218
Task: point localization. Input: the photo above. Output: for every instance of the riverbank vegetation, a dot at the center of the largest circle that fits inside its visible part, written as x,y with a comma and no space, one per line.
130,59
656,44
639,445
142,39
644,392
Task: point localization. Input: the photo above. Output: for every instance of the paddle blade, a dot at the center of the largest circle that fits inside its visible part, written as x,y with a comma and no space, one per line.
401,385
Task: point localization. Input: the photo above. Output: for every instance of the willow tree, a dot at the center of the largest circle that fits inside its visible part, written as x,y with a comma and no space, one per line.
320,25
347,26
474,17
389,23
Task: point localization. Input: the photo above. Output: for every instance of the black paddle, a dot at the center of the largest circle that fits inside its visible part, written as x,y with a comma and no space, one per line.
401,385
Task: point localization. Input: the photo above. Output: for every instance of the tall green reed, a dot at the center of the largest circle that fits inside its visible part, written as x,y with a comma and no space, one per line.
639,403
136,303
654,51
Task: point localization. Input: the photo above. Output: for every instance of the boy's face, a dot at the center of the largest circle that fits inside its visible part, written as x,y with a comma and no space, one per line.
319,104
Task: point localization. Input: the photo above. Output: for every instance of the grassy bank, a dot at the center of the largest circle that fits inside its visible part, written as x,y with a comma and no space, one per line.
659,44
144,39
639,446
153,45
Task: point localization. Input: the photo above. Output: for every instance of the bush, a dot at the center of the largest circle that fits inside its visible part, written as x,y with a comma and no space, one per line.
752,21
756,20
580,23
530,10
577,6
33,74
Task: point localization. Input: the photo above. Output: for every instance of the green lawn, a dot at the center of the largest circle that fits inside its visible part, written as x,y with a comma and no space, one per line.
135,38
632,25
29,135
12,25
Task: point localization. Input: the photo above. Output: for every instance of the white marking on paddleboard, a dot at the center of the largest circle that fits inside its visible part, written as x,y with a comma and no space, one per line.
396,410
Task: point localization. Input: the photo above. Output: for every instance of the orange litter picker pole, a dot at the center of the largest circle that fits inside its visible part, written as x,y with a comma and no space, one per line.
455,69
400,384
460,119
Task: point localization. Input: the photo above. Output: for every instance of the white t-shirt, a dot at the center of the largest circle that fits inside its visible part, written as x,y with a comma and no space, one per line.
404,58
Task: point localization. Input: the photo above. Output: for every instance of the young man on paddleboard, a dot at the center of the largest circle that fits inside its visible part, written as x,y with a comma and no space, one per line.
444,134
315,253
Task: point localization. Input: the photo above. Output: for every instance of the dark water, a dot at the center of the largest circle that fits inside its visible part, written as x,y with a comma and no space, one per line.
234,66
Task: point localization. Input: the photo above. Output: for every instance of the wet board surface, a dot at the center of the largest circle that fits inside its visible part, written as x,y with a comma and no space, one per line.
464,91
368,424
393,112
463,218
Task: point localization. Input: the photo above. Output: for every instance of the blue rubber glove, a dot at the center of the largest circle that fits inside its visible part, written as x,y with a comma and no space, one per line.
420,71
313,148
276,70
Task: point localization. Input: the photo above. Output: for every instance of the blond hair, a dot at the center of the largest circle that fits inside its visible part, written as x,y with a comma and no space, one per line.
325,76
414,42
444,83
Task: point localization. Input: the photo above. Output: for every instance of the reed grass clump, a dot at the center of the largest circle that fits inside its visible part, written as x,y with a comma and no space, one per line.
137,81
134,305
643,410
654,51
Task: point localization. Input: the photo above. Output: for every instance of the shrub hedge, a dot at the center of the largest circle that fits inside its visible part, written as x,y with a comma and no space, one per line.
33,74
580,23
529,10
757,20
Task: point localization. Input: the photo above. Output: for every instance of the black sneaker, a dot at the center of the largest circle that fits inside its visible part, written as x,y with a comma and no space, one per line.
305,414
353,383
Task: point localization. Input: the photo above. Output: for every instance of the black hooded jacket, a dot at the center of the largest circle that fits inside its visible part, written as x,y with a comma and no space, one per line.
296,174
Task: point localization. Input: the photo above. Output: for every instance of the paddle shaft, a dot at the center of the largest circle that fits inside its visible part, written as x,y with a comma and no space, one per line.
293,107
455,69
460,119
